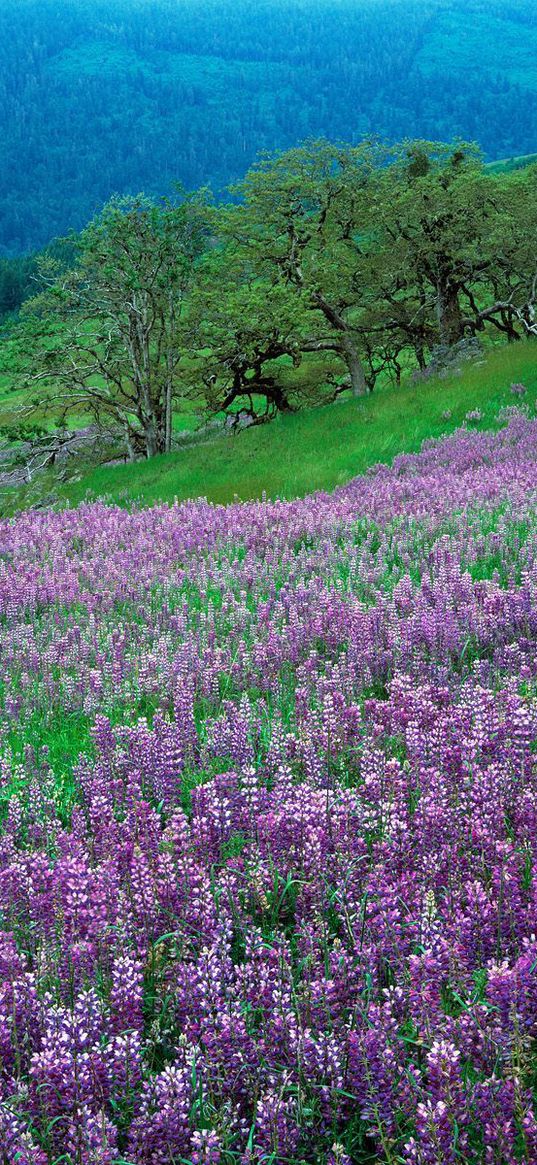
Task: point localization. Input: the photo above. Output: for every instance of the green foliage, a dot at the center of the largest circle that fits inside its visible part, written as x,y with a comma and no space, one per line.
15,283
118,348
387,254
19,276
22,431
365,261
457,244
301,226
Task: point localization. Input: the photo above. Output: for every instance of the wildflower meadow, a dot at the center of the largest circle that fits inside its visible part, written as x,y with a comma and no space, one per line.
268,795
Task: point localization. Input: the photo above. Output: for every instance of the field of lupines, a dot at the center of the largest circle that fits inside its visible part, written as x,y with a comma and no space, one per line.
268,859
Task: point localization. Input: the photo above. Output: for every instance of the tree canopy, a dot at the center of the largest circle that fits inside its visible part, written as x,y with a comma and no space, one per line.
334,265
118,350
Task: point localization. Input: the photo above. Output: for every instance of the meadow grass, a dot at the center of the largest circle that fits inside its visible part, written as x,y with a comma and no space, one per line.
508,165
321,448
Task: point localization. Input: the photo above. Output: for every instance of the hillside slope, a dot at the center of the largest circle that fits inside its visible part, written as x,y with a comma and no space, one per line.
324,447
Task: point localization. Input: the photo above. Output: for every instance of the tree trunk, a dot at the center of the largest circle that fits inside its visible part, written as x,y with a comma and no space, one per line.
359,385
508,327
168,419
276,394
171,333
450,323
129,445
420,355
151,439
346,345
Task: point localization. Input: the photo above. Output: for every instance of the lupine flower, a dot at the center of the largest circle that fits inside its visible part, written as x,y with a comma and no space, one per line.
279,898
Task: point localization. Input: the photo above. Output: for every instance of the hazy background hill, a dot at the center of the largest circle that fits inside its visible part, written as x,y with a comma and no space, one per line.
98,96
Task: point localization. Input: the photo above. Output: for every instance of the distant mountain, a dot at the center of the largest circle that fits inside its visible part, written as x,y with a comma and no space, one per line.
103,96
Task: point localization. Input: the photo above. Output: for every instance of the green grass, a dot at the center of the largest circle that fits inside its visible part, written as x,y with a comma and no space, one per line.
509,165
324,447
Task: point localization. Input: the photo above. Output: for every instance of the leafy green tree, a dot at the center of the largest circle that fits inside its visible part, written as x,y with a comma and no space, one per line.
512,301
245,331
339,264
119,347
300,224
447,231
249,336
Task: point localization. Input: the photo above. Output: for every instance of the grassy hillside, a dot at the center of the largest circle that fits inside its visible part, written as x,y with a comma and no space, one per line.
325,447
509,165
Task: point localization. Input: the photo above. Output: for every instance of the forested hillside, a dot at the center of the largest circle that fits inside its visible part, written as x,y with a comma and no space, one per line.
99,97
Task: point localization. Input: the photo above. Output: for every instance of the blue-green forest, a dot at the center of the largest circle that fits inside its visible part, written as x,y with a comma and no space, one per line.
100,97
